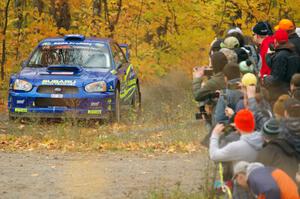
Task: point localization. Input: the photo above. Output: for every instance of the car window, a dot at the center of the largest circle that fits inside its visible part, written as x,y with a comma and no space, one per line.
85,56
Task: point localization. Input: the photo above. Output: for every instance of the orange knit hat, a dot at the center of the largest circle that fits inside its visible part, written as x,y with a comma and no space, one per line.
244,121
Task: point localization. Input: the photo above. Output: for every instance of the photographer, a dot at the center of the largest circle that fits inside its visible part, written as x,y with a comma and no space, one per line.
232,93
201,90
244,149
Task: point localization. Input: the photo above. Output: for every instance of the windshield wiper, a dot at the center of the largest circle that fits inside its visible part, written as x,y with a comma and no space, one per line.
36,65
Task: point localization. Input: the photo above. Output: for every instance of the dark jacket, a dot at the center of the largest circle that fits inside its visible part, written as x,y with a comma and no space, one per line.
216,82
284,63
295,39
280,154
291,133
282,69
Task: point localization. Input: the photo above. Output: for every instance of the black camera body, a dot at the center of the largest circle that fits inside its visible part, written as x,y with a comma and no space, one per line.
208,72
211,99
202,114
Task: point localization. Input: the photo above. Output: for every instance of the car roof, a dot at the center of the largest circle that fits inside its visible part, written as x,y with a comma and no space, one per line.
84,40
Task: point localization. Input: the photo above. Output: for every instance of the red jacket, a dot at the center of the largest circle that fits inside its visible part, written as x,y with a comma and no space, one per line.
265,69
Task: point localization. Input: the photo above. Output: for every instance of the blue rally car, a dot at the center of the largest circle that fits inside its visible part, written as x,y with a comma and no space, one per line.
74,76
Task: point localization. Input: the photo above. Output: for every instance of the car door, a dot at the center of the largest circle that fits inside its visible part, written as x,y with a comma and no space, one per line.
122,69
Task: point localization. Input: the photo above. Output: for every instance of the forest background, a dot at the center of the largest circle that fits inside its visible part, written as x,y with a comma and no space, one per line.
163,35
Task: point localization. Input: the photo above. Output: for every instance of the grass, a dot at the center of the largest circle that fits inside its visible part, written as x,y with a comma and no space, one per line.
166,125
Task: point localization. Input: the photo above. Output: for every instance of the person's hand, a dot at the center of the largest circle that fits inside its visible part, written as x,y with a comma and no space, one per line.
251,91
229,112
270,51
198,72
218,130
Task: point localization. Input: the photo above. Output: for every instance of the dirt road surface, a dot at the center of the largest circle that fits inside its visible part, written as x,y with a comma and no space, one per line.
109,175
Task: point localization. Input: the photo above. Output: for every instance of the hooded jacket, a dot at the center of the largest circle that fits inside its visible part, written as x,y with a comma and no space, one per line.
280,154
245,149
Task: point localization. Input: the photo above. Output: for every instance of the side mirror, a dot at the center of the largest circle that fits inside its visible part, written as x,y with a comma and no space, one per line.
24,64
125,50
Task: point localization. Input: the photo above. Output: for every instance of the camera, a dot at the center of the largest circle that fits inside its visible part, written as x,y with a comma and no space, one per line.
228,129
202,114
208,72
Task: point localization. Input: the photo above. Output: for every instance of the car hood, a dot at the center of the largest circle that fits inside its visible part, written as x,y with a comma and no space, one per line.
39,76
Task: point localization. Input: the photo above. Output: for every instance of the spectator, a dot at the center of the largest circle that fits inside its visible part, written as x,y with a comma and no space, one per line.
235,30
295,86
277,152
214,47
260,107
291,124
230,55
245,148
216,82
290,27
232,43
278,108
232,93
265,182
246,67
262,37
283,66
292,109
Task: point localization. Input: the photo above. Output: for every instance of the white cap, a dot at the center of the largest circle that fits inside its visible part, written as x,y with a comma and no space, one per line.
235,29
245,167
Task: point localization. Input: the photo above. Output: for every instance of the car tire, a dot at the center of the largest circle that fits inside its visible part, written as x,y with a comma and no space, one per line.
117,111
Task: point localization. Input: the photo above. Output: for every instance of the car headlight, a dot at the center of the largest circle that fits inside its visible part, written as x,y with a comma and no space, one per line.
22,85
96,87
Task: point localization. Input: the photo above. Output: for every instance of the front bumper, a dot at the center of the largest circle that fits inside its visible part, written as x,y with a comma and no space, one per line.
81,105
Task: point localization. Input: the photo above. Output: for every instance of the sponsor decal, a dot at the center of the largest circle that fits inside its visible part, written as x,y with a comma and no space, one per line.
21,110
20,101
59,82
57,96
94,112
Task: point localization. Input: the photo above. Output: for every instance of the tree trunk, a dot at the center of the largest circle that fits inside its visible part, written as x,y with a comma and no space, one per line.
97,7
60,10
4,39
39,4
18,6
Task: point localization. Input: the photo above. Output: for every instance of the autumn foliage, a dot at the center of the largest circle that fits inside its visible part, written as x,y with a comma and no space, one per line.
163,35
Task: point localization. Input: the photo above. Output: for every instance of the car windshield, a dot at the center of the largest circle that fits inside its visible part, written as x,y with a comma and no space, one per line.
96,56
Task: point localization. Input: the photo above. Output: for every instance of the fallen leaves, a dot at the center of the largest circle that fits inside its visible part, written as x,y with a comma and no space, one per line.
29,143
